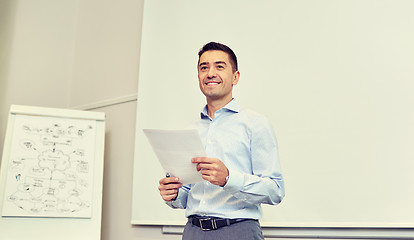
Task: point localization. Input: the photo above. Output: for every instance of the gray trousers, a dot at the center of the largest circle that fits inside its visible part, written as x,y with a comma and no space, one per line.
246,230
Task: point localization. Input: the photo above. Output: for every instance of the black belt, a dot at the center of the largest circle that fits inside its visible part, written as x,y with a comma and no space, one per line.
213,223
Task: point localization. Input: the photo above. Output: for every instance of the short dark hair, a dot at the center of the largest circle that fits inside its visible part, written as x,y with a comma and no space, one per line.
215,46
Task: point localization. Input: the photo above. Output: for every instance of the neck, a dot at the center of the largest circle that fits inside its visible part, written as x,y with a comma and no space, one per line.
214,105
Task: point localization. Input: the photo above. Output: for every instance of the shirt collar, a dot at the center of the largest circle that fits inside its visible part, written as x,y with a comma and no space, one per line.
232,106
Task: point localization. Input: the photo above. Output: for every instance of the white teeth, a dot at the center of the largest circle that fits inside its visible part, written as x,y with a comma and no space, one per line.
211,83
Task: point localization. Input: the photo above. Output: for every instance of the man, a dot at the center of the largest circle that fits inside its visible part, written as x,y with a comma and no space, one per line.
242,169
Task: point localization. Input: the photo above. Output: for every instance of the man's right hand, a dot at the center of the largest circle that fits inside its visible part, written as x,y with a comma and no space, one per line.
169,188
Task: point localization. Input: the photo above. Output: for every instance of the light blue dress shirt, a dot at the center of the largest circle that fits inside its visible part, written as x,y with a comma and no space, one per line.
245,142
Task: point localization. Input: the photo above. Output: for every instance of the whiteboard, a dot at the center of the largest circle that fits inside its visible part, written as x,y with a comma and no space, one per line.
51,174
333,77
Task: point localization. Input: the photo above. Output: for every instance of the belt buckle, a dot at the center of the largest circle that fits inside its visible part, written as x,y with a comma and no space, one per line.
210,221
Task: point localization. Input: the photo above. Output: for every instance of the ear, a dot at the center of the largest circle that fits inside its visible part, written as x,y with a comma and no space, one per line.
236,77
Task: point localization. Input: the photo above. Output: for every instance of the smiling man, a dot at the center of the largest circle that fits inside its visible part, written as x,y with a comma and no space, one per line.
242,170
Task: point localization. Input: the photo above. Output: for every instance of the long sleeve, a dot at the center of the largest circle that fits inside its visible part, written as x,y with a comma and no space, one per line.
265,183
181,200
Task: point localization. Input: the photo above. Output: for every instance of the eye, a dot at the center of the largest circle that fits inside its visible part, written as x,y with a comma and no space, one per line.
220,66
203,68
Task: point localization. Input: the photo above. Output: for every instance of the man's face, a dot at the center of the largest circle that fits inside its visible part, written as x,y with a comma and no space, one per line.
216,76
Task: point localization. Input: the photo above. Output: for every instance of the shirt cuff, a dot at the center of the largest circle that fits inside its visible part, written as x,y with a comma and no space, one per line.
235,182
177,202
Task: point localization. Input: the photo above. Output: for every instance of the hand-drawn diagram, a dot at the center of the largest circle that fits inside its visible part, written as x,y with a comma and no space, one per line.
50,171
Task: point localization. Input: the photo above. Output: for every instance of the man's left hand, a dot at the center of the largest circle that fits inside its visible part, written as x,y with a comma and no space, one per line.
212,170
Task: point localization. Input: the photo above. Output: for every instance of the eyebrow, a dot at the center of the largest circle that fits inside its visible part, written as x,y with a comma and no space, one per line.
221,62
218,62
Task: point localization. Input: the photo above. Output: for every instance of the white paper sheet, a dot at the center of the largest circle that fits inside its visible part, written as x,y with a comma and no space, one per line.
175,149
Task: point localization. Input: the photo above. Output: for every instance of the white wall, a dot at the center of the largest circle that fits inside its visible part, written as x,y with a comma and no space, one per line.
71,53
106,50
7,9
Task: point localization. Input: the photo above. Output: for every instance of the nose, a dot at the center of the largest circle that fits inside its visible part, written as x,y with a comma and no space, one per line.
212,73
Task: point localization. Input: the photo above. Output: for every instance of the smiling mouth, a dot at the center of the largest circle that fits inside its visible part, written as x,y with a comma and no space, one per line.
212,82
